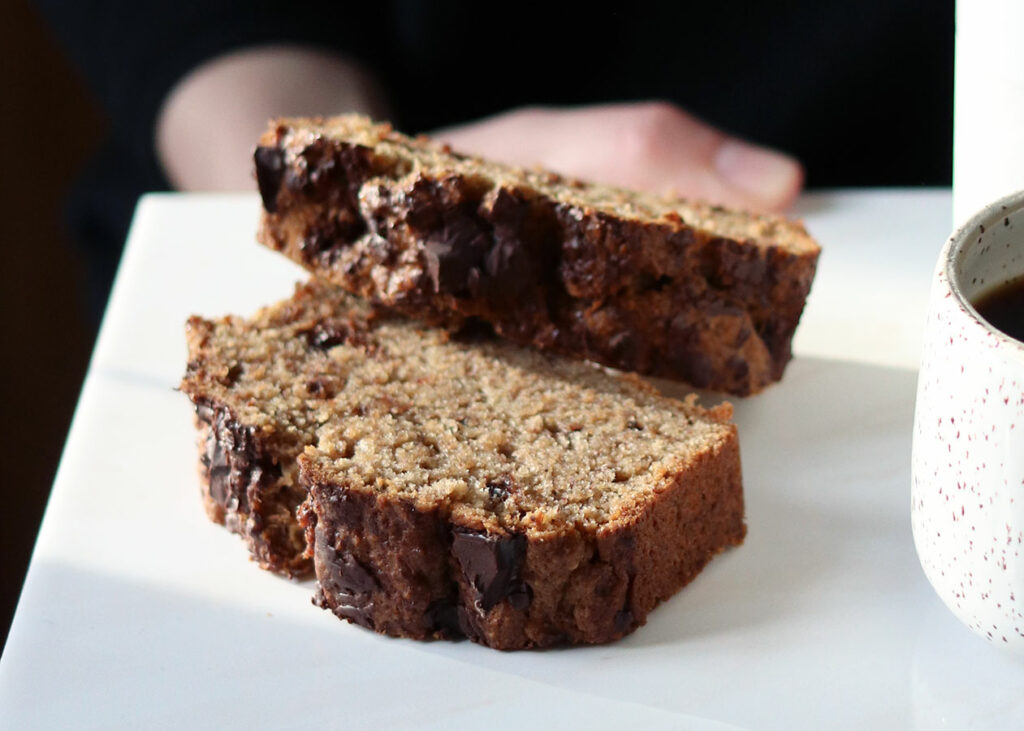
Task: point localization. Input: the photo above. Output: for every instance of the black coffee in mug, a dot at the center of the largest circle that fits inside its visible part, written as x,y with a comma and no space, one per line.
1003,308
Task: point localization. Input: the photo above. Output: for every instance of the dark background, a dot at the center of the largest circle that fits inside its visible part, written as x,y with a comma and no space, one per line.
50,127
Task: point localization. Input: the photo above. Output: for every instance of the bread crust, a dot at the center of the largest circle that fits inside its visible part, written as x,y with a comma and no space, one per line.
656,296
401,570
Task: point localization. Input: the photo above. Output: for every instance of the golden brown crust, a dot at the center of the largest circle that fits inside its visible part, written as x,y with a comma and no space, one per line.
400,570
710,297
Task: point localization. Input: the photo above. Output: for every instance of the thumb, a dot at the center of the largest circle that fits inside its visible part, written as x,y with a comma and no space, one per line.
659,147
756,176
668,148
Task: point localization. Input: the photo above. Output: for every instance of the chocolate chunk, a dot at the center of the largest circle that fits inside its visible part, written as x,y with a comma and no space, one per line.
469,625
218,470
510,267
269,172
325,174
315,244
455,238
320,166
500,487
325,335
348,582
424,205
474,330
443,616
523,252
233,374
235,466
349,578
241,481
490,563
480,251
325,239
453,254
316,172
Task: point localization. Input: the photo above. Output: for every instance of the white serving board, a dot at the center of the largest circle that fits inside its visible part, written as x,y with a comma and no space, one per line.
137,612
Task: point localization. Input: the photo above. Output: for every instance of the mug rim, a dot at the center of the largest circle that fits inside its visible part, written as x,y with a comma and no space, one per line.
988,215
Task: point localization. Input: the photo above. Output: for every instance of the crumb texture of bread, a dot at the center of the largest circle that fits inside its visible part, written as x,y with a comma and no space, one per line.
640,282
453,485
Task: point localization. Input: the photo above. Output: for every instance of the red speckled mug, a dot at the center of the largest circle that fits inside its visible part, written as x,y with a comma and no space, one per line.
968,456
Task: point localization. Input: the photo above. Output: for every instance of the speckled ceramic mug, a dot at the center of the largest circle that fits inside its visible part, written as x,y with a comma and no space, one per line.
968,455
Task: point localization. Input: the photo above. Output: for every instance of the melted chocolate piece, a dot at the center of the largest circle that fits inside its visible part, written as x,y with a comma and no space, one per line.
356,333
491,564
325,335
331,175
215,460
469,625
522,255
497,252
350,584
269,173
454,256
443,616
500,487
320,168
234,465
324,240
233,374
474,330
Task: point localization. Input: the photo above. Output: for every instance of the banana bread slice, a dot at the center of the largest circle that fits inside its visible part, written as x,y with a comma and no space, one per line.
655,285
457,486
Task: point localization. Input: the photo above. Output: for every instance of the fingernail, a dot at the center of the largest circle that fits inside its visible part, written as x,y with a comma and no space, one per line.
757,171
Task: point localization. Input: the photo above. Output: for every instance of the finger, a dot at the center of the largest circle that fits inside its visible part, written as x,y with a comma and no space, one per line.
653,146
663,148
758,177
522,137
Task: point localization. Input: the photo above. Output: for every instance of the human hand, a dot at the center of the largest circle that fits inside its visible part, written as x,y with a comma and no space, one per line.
209,121
651,146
